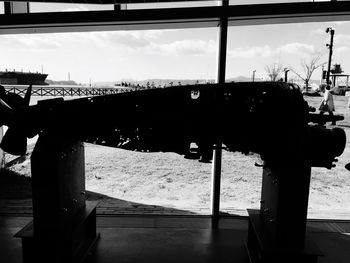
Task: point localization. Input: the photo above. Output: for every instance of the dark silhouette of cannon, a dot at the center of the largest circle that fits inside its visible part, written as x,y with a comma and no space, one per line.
268,118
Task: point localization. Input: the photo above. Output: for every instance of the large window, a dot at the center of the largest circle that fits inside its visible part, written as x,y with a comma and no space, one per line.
106,59
182,56
254,53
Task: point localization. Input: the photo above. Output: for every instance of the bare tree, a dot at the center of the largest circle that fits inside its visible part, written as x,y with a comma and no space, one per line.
274,71
309,67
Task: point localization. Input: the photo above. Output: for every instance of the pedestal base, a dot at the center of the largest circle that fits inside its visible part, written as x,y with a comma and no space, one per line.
262,248
55,246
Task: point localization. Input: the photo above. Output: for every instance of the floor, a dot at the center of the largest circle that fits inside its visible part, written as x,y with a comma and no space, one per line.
178,239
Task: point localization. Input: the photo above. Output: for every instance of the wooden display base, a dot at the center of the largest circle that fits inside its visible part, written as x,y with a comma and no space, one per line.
61,246
261,248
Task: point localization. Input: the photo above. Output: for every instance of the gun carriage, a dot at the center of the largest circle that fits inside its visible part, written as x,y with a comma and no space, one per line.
268,118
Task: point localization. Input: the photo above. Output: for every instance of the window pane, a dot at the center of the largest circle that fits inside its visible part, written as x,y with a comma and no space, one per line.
106,59
57,7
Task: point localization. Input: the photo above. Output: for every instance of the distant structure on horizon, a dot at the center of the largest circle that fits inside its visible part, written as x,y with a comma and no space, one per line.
62,82
22,78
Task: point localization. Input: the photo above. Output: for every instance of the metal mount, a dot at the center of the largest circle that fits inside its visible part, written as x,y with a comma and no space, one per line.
64,224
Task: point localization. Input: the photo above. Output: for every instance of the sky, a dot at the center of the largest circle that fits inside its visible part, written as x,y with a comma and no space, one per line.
175,54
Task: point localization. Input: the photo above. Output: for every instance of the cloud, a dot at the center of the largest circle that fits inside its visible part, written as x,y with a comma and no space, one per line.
146,42
150,42
341,39
251,52
318,31
339,23
341,49
32,42
267,51
132,40
77,8
126,39
184,47
297,48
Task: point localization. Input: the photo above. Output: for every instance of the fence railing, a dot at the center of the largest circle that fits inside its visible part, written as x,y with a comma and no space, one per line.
64,91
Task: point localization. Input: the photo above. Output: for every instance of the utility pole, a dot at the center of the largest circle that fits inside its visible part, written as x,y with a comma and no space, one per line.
330,46
286,74
254,75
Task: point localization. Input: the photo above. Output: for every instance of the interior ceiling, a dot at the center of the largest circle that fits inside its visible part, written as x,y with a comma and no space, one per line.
170,18
110,1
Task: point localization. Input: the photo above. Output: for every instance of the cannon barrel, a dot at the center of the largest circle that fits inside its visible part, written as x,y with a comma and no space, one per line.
324,145
322,119
268,118
274,122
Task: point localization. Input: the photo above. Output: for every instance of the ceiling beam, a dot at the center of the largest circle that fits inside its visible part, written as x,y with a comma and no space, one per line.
111,2
170,18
